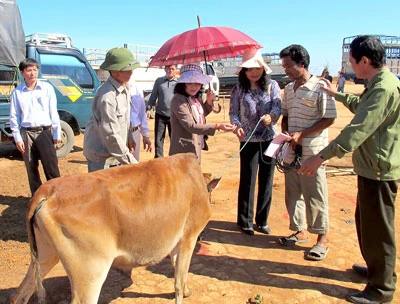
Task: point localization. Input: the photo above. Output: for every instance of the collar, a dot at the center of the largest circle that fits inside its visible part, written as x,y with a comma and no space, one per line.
377,77
173,79
311,82
120,88
38,85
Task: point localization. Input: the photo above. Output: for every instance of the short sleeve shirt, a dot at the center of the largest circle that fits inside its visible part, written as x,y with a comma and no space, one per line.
304,107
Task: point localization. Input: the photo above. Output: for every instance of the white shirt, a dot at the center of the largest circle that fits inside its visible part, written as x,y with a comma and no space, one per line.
34,108
138,108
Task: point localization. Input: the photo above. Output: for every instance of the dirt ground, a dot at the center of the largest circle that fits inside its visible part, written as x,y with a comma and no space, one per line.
228,266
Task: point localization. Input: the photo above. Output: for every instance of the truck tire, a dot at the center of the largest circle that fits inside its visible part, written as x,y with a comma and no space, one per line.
67,140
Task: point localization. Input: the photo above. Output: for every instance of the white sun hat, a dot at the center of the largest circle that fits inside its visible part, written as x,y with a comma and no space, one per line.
252,58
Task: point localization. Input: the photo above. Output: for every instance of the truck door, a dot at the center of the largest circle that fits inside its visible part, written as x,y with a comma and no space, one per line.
74,84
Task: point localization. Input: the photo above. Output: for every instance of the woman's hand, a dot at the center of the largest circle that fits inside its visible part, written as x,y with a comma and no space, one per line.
239,133
210,97
267,119
226,127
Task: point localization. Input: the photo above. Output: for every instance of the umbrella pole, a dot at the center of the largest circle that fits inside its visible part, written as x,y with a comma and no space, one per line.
205,66
214,109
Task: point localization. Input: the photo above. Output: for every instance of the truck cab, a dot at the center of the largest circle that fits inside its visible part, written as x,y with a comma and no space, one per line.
72,77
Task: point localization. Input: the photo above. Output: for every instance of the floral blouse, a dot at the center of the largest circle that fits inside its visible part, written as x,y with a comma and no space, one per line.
246,109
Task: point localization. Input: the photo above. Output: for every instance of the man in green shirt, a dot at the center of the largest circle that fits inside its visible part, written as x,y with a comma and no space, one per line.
373,135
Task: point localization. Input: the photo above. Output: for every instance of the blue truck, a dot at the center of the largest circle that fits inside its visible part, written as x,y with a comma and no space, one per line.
62,65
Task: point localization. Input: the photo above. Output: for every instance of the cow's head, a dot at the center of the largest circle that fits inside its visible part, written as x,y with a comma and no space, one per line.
212,183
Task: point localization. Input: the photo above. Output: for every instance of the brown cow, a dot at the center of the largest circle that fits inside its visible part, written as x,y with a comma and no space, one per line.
124,216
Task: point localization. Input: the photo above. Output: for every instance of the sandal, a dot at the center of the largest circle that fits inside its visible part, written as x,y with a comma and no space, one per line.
292,240
317,253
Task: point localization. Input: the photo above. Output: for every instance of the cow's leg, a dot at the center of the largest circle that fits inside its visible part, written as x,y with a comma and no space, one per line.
185,251
86,273
47,259
173,256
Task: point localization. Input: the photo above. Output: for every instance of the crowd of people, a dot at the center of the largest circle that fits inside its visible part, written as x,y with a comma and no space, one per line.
307,108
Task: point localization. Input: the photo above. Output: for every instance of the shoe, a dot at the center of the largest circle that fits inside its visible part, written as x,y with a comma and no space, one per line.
361,270
265,229
249,231
361,297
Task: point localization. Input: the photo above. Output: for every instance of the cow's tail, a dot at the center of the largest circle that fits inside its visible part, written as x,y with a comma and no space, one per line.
41,293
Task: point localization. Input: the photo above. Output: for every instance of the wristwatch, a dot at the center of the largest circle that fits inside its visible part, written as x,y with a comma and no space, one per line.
148,108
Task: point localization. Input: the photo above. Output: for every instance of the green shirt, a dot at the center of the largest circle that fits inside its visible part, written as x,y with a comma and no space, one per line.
373,134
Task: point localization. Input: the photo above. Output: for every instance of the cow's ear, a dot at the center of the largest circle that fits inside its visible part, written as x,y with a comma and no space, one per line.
213,184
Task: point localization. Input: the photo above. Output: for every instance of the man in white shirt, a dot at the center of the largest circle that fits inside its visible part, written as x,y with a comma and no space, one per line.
35,124
139,121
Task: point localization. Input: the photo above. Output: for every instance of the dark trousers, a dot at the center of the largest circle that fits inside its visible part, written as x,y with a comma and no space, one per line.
162,123
375,213
39,146
252,163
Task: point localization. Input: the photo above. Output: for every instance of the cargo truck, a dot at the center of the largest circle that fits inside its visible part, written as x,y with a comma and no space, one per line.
62,65
392,48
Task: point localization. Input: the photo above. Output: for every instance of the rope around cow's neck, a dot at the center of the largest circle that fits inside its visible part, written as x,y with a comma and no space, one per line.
238,153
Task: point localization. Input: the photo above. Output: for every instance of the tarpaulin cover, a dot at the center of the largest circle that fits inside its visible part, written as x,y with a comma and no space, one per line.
12,36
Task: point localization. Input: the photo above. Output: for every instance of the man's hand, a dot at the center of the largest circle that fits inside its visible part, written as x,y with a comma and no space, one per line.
20,146
147,144
131,145
296,138
310,166
329,89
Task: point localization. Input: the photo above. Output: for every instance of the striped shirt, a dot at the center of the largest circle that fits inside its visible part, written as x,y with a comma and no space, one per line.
305,107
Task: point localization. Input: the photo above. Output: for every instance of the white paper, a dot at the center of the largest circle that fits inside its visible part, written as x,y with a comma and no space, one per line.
274,146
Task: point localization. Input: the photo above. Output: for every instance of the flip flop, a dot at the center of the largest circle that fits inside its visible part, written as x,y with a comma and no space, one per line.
292,240
317,253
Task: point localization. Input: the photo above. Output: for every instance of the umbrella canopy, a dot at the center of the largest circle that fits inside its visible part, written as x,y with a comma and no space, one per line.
202,44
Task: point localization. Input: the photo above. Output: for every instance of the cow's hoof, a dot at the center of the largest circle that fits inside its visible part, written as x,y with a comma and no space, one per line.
187,293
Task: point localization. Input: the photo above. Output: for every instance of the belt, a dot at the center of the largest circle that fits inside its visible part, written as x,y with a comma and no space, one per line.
134,129
37,129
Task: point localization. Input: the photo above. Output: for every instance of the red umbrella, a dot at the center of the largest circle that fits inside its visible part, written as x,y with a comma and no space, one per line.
202,44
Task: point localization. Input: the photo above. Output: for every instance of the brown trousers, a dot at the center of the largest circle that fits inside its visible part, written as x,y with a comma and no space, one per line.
39,146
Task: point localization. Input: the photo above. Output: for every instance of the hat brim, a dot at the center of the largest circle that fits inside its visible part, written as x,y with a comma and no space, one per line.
252,63
190,77
129,66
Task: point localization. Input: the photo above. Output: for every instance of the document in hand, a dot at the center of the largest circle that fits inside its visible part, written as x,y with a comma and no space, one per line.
276,143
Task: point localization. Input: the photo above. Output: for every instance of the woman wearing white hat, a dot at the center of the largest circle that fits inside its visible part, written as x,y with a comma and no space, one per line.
188,112
255,97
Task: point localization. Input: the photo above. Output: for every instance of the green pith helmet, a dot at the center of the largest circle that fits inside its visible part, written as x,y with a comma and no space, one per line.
119,59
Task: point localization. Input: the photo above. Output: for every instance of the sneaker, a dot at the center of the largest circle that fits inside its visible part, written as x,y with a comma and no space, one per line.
265,229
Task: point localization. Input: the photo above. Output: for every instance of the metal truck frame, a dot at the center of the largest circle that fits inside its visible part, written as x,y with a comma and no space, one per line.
392,47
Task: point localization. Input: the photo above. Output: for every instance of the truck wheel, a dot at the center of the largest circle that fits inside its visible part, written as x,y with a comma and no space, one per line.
67,140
